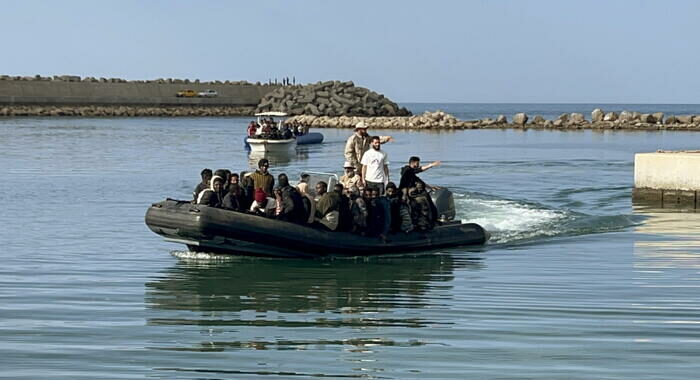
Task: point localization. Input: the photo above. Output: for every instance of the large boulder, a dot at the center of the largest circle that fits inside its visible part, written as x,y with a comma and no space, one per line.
538,120
610,116
658,116
671,120
647,118
577,118
501,119
685,119
520,119
626,116
597,115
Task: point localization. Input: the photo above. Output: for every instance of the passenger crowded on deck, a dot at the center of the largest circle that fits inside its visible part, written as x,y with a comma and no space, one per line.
364,203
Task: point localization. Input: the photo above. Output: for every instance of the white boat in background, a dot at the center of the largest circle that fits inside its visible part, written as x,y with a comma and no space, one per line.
260,143
272,145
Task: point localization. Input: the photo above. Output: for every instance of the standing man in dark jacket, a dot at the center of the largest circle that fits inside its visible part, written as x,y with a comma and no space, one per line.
409,179
262,179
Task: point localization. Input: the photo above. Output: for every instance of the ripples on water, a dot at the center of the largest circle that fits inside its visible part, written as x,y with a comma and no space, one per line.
574,284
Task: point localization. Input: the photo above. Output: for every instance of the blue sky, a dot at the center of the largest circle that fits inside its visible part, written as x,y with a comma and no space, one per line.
636,51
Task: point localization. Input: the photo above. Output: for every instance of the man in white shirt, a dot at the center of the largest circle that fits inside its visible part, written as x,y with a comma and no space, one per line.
375,167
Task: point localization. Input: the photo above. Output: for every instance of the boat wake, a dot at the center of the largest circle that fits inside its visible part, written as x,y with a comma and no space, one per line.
512,221
201,257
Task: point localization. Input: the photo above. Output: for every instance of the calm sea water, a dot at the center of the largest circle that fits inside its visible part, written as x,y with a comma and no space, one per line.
576,284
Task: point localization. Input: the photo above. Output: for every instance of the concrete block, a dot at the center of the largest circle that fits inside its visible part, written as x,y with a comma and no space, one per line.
648,196
679,199
667,170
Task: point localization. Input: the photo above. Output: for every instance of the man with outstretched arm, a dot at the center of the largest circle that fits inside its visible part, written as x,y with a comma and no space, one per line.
409,179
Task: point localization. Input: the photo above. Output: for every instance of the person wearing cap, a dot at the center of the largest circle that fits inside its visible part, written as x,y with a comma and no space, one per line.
263,205
262,179
350,178
359,143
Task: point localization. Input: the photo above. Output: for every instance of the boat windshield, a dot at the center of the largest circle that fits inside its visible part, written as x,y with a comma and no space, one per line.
316,177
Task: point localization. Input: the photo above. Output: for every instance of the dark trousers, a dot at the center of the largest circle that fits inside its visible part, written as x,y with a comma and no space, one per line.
375,185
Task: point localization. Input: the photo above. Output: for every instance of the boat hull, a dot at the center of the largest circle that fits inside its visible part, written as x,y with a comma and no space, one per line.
208,229
271,145
310,138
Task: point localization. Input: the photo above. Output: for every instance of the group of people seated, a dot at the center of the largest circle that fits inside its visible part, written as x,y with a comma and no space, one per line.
268,129
351,205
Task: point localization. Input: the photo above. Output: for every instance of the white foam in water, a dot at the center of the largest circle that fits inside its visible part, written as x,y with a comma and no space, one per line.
201,256
509,220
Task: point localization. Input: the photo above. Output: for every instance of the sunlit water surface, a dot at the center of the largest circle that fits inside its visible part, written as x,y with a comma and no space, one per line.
575,284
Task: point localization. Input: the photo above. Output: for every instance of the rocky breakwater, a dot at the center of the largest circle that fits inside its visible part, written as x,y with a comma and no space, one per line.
627,120
331,98
600,120
428,120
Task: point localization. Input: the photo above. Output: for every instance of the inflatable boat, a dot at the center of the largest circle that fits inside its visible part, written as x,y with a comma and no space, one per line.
310,138
207,229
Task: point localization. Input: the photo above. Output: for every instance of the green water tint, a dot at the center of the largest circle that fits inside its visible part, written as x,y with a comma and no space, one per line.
575,285
299,286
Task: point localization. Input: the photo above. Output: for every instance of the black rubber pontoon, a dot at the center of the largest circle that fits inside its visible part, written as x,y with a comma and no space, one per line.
208,229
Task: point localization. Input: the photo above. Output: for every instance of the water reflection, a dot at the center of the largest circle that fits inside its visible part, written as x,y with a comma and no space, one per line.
297,286
253,304
668,239
277,158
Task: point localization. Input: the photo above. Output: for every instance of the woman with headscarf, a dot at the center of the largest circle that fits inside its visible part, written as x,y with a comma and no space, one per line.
308,201
213,196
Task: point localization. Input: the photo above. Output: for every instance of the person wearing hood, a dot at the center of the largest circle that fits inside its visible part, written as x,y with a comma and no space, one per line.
213,196
206,175
290,206
327,206
308,202
247,190
344,214
234,200
358,209
400,210
263,205
262,179
359,143
223,173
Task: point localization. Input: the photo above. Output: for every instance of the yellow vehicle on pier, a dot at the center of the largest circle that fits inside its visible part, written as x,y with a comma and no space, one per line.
187,94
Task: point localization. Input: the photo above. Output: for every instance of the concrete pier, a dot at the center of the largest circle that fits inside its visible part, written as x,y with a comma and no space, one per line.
667,179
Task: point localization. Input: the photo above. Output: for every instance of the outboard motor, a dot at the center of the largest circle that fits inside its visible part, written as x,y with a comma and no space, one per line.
445,204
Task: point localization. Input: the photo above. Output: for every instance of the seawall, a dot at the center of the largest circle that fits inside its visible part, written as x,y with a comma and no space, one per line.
76,91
